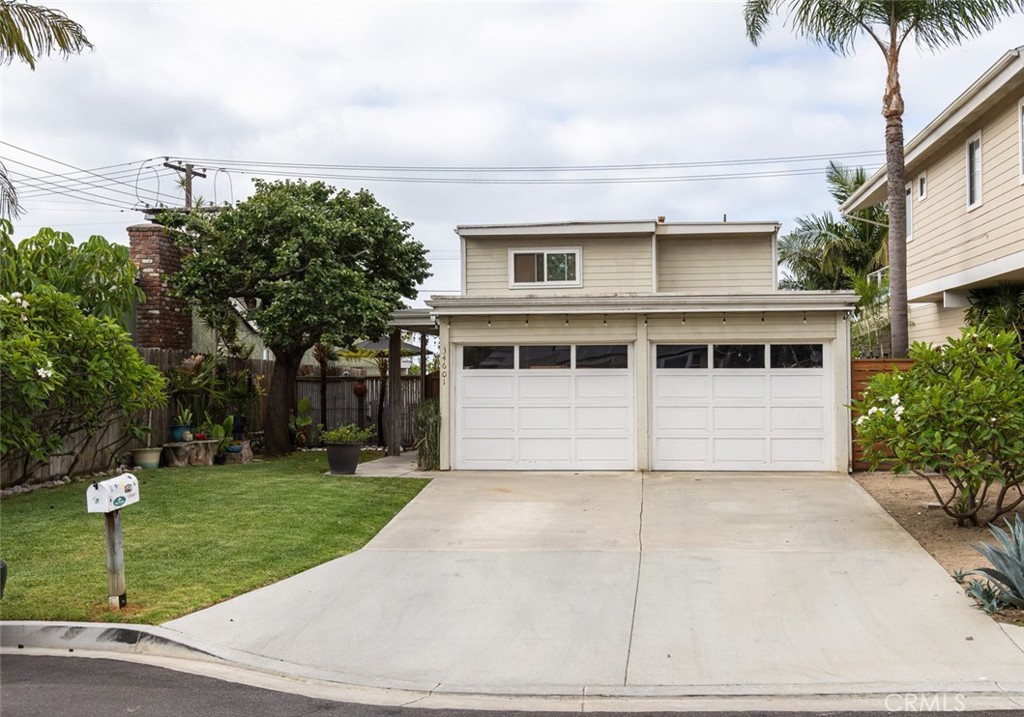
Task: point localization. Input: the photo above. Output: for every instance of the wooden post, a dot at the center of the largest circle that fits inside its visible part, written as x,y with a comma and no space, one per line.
423,366
395,393
118,597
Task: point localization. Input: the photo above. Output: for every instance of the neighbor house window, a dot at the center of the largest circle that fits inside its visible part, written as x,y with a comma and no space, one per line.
922,185
974,171
910,213
548,266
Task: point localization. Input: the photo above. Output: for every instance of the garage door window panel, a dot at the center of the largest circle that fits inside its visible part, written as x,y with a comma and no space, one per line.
740,356
611,356
545,357
693,356
797,356
488,357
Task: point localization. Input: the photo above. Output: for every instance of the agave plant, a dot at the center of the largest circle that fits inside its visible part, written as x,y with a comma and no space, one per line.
1007,559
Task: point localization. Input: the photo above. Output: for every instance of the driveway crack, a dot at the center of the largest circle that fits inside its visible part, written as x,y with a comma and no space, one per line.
639,567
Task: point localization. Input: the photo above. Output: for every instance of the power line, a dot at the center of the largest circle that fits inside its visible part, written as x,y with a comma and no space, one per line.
80,194
35,181
224,163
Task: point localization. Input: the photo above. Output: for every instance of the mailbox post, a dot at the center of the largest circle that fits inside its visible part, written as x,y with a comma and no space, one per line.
108,497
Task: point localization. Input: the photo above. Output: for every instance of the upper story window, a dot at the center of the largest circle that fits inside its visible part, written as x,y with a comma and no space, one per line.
974,171
549,267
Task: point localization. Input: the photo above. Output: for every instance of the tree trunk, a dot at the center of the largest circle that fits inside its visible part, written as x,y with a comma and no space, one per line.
380,411
892,110
280,400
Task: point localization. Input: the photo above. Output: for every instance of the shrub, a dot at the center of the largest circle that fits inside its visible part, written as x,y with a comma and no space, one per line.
66,376
426,429
956,418
348,433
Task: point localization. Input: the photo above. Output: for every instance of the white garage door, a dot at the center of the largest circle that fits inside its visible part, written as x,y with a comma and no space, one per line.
741,407
529,407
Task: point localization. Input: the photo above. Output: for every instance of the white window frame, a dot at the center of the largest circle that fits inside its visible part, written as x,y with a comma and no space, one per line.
909,220
922,185
968,174
513,284
1020,137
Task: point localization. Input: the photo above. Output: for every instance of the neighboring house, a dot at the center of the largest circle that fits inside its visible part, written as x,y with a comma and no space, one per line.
639,345
965,200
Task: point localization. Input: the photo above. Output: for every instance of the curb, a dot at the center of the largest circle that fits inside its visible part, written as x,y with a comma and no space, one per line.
169,648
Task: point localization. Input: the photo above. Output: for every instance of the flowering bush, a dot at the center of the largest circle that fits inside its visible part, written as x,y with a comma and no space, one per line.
956,418
67,370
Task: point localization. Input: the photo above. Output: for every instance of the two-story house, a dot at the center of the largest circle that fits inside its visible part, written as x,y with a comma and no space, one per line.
965,200
639,345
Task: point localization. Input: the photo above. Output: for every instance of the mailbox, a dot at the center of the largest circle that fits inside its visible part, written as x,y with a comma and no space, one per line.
112,494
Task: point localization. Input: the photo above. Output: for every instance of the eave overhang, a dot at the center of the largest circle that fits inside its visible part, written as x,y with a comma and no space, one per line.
781,301
998,81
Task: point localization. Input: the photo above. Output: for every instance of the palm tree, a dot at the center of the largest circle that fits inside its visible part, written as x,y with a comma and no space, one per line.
29,32
837,24
824,253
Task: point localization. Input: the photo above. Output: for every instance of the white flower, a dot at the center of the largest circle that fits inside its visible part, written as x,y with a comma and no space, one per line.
3,299
24,318
896,399
898,412
16,295
860,421
44,372
897,417
990,347
873,410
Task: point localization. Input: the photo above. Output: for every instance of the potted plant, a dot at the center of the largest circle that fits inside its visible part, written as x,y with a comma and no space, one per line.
147,457
343,446
222,433
182,424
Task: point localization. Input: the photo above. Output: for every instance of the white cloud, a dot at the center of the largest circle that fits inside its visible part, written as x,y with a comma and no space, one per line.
465,84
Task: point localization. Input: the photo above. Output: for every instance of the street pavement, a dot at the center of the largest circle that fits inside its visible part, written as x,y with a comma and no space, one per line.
83,687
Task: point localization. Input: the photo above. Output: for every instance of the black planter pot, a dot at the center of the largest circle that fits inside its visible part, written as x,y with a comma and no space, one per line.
342,458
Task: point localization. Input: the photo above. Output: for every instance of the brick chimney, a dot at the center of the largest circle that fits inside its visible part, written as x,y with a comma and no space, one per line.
163,321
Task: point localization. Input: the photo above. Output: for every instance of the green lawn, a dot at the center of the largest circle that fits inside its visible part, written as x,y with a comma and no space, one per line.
197,536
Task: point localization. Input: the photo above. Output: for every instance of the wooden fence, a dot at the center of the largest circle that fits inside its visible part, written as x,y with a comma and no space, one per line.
861,371
343,406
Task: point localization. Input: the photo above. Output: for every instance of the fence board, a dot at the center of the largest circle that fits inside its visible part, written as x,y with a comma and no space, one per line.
861,371
343,405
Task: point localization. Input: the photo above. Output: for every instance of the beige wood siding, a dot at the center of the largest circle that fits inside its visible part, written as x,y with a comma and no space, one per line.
948,238
933,324
543,330
705,328
610,265
715,265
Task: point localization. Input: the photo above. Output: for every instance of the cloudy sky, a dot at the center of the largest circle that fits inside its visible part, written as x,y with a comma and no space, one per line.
234,86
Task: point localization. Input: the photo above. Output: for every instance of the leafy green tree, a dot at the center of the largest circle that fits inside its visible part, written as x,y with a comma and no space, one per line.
308,263
28,32
98,274
68,369
933,24
825,253
955,418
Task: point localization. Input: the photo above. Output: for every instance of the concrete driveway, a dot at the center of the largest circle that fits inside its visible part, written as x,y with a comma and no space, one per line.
624,584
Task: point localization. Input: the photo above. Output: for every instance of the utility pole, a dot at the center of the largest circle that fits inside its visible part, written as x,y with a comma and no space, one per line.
190,171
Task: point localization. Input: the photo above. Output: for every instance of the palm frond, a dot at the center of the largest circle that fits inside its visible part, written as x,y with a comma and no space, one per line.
29,32
9,206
